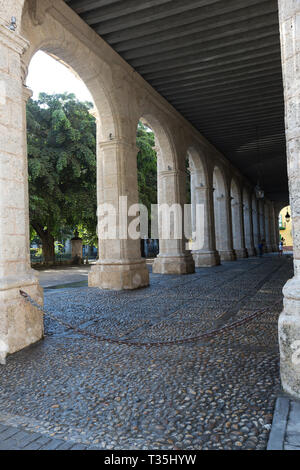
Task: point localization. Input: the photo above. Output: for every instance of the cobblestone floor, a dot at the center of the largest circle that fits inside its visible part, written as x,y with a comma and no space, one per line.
218,394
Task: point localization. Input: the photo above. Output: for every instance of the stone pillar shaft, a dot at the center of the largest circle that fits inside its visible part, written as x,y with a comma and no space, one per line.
20,324
289,321
223,214
255,223
273,228
205,255
120,265
238,230
173,258
248,228
268,228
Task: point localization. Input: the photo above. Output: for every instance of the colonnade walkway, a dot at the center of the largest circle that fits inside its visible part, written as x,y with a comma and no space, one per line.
216,393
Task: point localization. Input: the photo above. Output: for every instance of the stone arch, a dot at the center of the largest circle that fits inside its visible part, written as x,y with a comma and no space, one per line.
198,164
202,209
164,146
198,181
50,37
173,257
166,161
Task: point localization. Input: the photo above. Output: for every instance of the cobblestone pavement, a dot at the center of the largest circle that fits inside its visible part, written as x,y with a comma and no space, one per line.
218,394
57,276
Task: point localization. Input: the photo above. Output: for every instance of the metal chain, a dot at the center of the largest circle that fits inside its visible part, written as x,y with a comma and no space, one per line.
189,339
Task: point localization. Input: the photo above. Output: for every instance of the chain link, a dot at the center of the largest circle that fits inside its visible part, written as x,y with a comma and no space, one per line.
189,339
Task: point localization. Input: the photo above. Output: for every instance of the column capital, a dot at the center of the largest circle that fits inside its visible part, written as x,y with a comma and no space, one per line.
171,172
203,187
27,93
115,142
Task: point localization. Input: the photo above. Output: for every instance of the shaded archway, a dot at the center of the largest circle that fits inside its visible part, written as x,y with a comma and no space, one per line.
174,256
202,211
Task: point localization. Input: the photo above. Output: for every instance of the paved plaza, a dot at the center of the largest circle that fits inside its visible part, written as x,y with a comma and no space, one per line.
71,391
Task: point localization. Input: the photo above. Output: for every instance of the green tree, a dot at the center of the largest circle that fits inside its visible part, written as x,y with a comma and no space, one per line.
61,135
146,166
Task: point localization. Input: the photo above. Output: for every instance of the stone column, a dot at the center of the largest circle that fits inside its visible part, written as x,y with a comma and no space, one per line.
289,321
205,255
273,228
120,265
268,229
255,223
238,229
173,256
223,214
262,228
20,323
248,230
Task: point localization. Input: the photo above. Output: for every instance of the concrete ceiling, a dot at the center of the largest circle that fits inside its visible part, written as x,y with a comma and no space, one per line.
217,62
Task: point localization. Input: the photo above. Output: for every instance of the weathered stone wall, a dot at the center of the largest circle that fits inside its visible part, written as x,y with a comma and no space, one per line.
289,322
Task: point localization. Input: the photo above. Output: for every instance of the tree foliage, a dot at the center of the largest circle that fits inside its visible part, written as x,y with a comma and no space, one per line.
147,166
61,135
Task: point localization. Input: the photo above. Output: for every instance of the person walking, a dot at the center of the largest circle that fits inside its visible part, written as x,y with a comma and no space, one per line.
261,248
280,252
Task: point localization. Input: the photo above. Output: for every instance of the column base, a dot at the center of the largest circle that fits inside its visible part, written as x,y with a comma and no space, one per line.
205,259
274,248
241,253
21,324
119,275
251,252
289,338
227,255
182,264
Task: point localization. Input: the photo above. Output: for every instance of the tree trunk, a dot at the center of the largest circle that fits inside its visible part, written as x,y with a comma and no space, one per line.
47,243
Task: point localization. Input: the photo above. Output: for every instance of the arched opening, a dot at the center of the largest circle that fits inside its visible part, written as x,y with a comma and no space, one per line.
61,147
202,209
167,220
147,189
195,190
285,229
156,167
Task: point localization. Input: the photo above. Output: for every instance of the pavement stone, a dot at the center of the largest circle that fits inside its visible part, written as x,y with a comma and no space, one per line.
285,432
211,394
